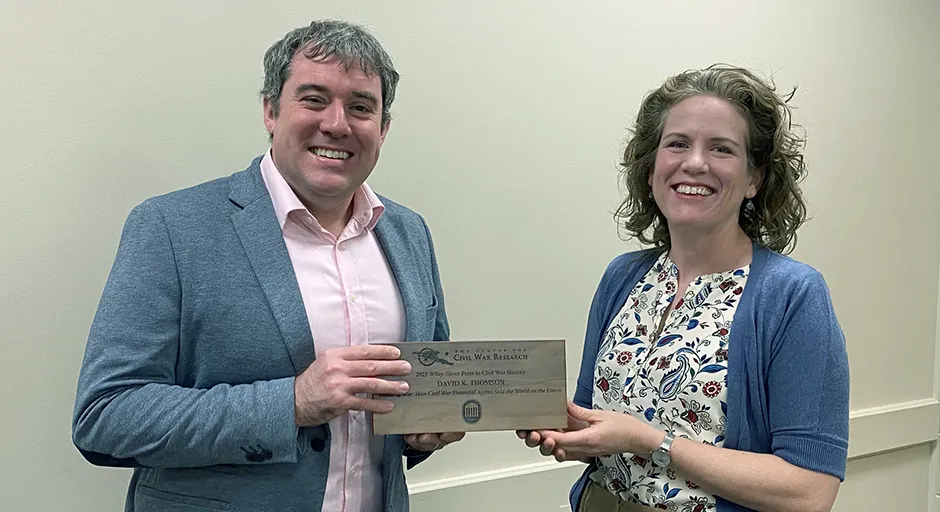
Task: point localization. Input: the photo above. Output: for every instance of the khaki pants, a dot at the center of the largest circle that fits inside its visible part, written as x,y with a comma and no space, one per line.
598,499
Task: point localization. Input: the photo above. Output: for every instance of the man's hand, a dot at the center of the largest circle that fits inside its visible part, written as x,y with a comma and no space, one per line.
330,385
431,442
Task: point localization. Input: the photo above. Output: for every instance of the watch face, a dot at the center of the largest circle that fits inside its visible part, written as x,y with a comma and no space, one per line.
661,459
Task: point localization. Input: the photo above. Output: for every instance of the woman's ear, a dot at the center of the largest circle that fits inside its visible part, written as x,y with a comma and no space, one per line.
757,178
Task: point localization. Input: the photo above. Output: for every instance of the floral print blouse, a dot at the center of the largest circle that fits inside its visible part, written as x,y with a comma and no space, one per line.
674,380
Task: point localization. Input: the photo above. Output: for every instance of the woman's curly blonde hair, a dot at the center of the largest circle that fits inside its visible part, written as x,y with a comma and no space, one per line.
772,147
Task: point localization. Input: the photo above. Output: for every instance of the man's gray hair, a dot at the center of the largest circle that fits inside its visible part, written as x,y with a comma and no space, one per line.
322,39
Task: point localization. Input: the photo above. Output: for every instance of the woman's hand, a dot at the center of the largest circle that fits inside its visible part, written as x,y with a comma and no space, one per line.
594,433
534,438
760,481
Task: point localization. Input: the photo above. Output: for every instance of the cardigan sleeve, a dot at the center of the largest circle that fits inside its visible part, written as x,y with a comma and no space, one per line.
583,394
619,278
808,380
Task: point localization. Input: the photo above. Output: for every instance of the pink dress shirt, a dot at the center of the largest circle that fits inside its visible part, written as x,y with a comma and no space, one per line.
351,298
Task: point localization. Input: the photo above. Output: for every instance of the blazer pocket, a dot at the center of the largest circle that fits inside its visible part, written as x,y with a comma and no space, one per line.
430,316
150,499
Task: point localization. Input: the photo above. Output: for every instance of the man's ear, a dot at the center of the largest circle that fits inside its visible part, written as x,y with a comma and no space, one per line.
388,124
270,115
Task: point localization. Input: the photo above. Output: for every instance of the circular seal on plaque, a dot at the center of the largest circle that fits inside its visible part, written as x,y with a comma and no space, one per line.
472,411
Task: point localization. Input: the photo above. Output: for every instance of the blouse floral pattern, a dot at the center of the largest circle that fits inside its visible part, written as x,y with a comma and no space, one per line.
675,379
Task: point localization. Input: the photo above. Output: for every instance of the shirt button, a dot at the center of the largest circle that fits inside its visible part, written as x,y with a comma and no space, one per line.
317,444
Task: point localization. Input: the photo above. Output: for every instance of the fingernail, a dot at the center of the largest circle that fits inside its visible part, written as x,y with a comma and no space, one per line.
404,387
407,367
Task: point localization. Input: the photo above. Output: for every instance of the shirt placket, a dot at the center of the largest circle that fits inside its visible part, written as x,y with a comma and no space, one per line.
357,430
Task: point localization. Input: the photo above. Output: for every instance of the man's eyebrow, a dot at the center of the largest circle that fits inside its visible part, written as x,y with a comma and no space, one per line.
366,95
302,88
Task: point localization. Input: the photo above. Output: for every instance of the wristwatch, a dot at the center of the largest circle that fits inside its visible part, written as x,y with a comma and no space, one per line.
661,456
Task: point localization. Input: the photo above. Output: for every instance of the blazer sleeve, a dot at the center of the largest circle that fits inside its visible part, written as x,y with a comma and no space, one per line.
808,381
129,411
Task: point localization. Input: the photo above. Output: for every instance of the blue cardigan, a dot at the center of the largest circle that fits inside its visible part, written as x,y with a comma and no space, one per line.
788,371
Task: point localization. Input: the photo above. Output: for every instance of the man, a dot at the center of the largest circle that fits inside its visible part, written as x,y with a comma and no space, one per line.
229,361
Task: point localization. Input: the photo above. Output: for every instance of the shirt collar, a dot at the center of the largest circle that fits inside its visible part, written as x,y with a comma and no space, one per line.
367,207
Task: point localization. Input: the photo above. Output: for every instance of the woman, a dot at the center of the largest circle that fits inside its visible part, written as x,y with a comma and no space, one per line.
714,373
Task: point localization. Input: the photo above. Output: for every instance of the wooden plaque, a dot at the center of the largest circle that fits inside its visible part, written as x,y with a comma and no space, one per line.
464,386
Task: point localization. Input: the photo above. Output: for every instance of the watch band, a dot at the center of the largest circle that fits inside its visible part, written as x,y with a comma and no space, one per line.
666,445
661,456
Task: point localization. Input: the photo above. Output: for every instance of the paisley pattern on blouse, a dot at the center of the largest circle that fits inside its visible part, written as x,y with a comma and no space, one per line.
674,380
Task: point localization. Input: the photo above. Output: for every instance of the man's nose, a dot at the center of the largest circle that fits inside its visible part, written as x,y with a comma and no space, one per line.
334,123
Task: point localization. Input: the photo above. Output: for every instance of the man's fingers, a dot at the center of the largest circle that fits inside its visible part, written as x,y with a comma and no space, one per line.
376,386
371,405
414,442
429,439
366,352
431,442
452,437
378,367
424,442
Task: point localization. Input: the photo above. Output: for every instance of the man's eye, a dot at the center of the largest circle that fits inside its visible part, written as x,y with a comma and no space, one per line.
363,109
723,149
313,100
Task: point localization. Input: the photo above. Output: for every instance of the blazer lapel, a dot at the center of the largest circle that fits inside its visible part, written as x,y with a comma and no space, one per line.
260,235
404,268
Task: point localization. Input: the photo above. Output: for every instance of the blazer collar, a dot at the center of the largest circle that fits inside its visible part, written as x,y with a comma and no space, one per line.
260,234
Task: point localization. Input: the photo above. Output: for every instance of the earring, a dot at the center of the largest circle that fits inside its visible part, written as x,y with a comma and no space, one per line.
650,194
749,205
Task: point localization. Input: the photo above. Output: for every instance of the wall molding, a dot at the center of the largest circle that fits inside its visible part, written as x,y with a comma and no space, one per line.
893,427
872,431
488,476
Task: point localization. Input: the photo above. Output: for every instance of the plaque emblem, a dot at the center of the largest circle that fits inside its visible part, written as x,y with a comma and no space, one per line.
472,411
428,356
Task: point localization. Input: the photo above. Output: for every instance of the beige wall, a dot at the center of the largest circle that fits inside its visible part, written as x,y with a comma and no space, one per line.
509,118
